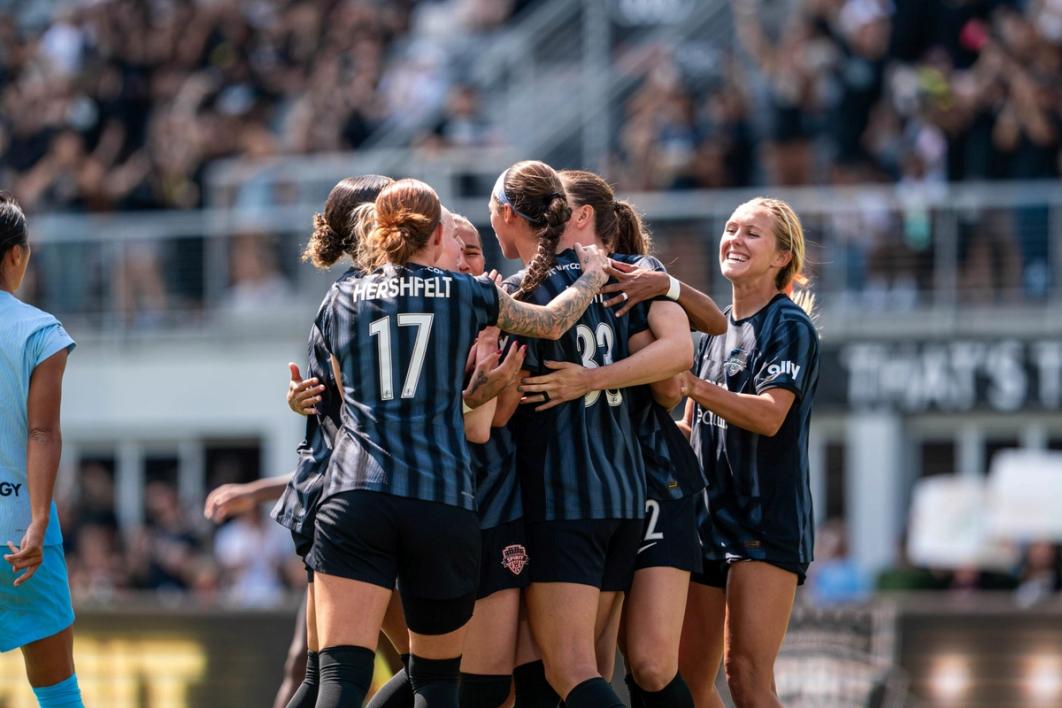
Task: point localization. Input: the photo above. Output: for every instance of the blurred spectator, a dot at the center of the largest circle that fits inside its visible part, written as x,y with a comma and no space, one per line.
1040,576
163,555
256,280
462,123
835,577
97,565
252,551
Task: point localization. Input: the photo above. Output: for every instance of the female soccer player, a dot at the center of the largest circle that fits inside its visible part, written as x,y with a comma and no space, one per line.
338,232
399,498
749,410
483,669
490,642
670,547
35,609
584,487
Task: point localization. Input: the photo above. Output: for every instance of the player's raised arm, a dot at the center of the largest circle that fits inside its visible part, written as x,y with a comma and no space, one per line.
552,320
635,284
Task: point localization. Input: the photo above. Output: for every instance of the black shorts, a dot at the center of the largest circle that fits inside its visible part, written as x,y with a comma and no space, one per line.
504,561
430,549
670,538
598,552
715,572
303,544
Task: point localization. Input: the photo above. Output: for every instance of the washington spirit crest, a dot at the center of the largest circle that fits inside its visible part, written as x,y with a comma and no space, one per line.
514,558
736,362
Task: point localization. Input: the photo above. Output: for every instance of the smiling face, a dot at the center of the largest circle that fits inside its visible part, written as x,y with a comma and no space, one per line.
471,246
748,251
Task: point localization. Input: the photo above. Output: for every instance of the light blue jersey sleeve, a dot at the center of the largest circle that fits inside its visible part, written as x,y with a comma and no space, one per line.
45,343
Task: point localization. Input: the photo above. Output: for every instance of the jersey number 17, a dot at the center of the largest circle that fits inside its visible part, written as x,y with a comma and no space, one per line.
381,329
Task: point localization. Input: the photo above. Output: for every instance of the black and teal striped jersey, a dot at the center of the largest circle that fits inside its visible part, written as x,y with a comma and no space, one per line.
671,469
497,488
580,460
401,335
296,506
758,500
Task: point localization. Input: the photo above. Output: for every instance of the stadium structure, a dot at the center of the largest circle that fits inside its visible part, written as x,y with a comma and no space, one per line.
937,296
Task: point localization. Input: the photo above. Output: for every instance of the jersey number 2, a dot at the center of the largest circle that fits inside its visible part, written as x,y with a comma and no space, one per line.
382,328
588,344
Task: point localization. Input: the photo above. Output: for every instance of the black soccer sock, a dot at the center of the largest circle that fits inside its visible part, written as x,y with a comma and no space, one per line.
674,695
633,690
593,693
306,694
435,682
484,691
532,688
346,675
396,693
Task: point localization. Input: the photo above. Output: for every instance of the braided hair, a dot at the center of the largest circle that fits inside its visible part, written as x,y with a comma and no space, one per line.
534,192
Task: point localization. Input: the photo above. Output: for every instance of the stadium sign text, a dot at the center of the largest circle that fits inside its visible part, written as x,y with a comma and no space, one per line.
947,376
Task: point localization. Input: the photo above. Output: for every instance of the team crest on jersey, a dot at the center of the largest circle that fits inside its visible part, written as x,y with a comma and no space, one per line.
514,558
736,362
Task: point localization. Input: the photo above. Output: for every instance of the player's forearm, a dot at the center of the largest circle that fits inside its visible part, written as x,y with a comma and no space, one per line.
668,392
755,413
43,450
478,420
661,359
705,315
552,320
507,402
269,488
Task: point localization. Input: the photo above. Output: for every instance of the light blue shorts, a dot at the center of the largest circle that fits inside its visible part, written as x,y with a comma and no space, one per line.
39,608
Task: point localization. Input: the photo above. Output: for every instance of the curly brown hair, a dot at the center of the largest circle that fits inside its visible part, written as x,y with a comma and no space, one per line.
334,232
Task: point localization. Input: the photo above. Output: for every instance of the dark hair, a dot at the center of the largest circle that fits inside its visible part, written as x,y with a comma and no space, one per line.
333,231
12,224
537,195
407,213
616,222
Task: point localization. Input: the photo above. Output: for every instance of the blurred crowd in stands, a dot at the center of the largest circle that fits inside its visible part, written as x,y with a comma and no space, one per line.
917,92
836,578
123,105
249,560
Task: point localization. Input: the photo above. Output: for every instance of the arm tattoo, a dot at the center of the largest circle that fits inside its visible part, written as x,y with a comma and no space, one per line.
556,318
478,379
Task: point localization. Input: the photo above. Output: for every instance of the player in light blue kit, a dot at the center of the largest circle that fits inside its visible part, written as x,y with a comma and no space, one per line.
35,609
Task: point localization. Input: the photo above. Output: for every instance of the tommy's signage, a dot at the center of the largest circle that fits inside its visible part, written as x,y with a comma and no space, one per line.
947,376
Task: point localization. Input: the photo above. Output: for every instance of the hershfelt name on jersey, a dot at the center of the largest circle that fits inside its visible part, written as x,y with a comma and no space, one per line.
403,286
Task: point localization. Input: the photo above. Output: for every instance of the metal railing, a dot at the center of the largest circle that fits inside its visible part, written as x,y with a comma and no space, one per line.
963,257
